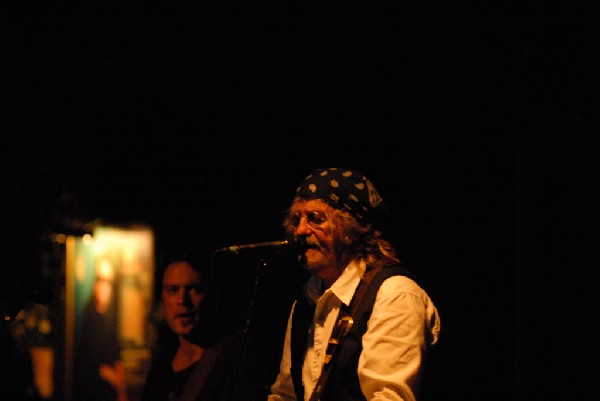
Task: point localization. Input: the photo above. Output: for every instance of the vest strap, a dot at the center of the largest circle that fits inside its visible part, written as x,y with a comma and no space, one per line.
343,325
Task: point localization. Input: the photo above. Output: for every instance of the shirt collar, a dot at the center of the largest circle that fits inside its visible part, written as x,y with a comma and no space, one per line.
343,288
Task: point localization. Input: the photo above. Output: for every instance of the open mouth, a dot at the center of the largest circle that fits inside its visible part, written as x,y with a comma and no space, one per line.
312,244
187,315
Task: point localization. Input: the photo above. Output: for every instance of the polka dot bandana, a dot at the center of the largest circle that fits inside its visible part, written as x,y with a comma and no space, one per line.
346,190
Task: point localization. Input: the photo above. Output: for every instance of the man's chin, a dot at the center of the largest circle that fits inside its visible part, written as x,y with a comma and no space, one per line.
312,262
312,254
185,331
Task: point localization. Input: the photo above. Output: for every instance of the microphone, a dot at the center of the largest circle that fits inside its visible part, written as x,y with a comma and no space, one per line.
292,244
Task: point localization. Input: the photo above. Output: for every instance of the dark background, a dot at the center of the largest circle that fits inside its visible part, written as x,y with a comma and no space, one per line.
476,122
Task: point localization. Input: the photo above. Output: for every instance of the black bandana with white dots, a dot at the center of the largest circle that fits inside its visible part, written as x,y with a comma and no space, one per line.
346,190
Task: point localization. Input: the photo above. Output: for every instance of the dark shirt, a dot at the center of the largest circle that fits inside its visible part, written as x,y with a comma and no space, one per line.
163,384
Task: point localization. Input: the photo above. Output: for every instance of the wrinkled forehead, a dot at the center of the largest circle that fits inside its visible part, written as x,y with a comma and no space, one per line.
303,205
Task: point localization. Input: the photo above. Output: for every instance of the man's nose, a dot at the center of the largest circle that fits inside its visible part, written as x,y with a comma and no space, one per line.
303,228
184,297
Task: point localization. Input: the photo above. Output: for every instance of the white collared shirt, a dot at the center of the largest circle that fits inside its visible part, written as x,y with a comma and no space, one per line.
403,324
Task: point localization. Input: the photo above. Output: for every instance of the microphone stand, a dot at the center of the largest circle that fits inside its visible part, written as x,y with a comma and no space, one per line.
244,340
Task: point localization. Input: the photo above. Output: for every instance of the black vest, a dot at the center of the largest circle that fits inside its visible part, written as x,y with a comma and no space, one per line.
342,383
